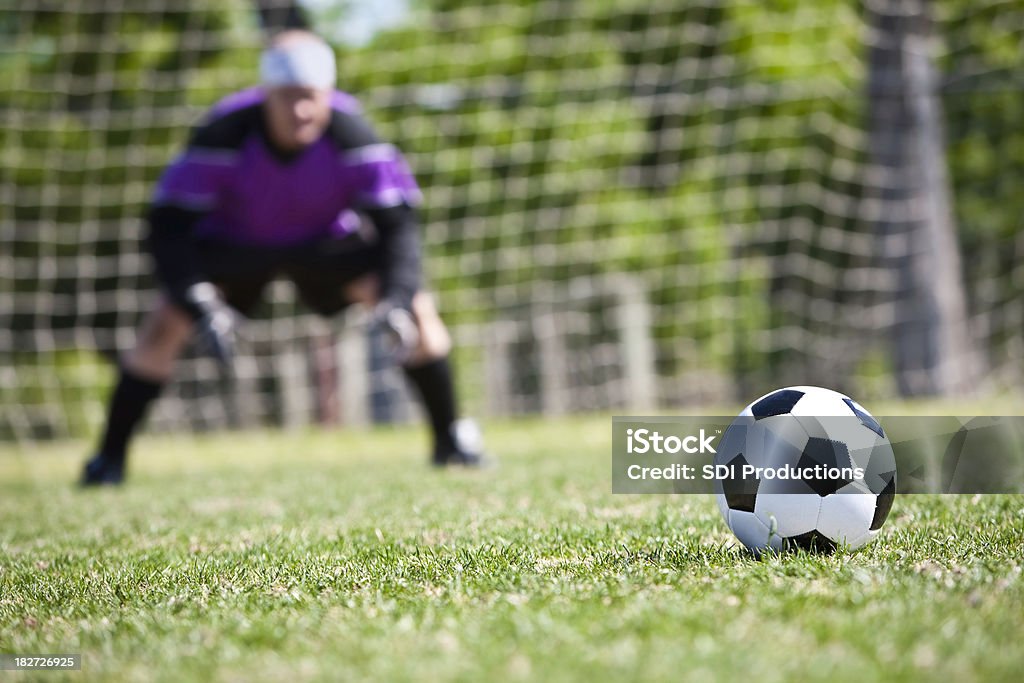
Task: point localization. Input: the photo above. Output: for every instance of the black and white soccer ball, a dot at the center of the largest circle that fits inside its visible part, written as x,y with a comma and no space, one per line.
803,427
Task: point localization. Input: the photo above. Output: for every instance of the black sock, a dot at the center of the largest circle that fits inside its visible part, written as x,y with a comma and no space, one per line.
128,405
433,380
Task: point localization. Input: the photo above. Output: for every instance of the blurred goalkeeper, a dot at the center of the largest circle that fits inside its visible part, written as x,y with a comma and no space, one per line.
270,184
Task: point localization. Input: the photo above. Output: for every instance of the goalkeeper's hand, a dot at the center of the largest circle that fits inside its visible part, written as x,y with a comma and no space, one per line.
399,330
216,323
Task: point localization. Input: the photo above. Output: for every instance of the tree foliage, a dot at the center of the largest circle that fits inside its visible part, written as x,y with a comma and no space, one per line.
714,149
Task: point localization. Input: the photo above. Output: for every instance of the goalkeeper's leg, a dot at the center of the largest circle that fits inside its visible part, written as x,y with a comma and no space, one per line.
455,441
143,372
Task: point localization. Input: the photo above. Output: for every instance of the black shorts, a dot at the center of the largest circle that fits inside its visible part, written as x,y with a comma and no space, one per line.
319,269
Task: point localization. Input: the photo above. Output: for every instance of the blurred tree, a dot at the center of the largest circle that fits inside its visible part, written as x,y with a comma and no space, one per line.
933,351
715,150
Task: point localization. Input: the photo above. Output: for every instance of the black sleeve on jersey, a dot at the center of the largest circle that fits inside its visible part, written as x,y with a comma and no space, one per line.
402,272
227,132
350,131
171,242
397,226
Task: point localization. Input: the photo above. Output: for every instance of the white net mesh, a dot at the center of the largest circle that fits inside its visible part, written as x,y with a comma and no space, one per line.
628,204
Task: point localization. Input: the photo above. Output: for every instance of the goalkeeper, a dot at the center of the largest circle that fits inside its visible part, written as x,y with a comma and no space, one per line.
270,184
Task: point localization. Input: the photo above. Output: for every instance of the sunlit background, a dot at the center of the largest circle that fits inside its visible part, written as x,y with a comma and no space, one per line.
628,205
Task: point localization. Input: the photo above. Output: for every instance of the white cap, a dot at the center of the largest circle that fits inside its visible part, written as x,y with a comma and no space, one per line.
308,63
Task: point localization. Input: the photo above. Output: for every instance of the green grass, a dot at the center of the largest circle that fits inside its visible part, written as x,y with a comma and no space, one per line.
341,556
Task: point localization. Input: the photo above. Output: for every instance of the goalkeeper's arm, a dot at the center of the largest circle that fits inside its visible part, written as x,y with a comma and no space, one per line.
400,276
402,270
172,244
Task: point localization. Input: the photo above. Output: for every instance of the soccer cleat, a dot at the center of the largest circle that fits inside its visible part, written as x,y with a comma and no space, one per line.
466,448
101,472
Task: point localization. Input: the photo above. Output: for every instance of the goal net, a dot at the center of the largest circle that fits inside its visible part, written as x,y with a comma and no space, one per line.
628,205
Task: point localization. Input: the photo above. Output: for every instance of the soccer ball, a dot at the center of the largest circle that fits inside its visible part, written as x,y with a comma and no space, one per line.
796,454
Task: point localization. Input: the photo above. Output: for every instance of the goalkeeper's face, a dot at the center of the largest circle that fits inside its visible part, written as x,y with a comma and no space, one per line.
296,115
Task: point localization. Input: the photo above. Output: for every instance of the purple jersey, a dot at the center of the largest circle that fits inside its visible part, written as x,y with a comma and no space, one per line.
247,193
